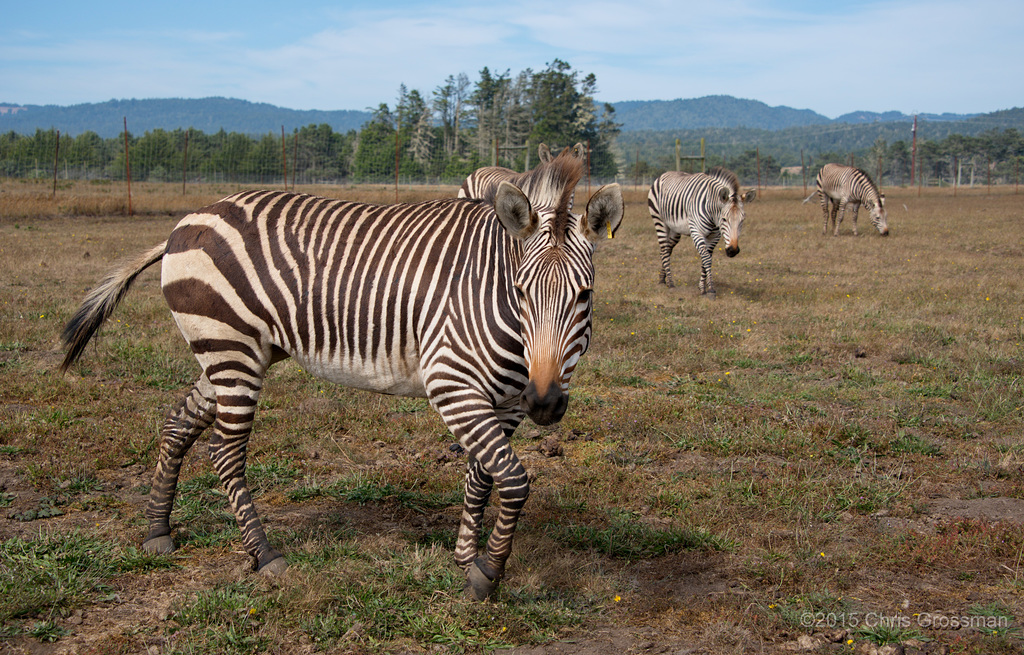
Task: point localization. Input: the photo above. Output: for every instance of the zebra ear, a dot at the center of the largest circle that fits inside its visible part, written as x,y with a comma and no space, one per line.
544,153
604,213
514,211
750,195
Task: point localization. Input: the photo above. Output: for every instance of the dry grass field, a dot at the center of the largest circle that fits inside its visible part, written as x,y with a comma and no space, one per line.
828,458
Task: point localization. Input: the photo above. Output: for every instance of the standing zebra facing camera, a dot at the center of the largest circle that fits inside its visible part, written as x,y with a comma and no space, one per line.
843,186
483,308
706,206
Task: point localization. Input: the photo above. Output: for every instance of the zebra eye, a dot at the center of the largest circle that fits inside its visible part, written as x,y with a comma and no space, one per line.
520,294
584,296
724,195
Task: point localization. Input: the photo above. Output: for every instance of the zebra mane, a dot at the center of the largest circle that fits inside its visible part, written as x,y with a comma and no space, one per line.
726,176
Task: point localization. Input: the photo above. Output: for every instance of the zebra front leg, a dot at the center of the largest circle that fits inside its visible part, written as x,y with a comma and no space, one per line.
183,425
856,208
478,493
704,250
493,465
486,571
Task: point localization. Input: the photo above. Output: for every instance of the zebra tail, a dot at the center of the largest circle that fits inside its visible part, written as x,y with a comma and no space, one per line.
100,303
808,198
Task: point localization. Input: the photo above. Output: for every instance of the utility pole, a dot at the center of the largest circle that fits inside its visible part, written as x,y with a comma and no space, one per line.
913,149
127,166
803,170
56,153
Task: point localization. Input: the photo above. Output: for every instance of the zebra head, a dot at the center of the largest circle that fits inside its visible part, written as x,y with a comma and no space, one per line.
879,217
724,195
554,284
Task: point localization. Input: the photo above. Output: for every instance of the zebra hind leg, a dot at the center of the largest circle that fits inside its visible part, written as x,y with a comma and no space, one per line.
826,205
839,213
668,243
183,425
236,408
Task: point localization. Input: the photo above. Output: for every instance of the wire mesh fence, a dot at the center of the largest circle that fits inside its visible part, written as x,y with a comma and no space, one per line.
319,155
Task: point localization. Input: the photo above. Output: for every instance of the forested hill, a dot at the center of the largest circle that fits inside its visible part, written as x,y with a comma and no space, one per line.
208,115
712,112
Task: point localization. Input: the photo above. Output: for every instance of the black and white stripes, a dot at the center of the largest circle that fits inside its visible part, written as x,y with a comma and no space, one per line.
707,207
483,307
483,182
844,186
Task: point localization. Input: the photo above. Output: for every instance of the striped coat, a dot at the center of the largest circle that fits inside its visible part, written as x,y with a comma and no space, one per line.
485,180
483,308
842,186
705,206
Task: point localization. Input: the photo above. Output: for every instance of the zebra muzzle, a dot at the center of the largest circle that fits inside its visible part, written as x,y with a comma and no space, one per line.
732,251
544,407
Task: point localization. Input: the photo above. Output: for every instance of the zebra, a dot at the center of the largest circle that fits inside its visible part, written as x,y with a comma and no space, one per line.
487,178
707,206
846,185
482,307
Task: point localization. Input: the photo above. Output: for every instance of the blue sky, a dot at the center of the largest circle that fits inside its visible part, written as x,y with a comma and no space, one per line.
908,55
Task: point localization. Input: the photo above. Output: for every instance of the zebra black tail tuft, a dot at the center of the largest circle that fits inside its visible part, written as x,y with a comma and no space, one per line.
100,303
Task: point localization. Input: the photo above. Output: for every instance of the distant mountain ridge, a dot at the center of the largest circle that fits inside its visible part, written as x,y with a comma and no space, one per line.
711,111
858,117
211,115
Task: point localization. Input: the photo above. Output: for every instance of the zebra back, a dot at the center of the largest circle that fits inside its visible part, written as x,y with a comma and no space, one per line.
483,182
851,183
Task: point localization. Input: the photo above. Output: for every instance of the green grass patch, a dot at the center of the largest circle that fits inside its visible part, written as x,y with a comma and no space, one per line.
57,572
364,489
624,537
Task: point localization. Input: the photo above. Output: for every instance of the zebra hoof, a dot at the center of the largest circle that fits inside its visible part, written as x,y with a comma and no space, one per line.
275,567
478,586
158,545
710,295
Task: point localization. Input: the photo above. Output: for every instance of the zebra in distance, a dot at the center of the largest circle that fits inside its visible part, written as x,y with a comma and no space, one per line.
485,180
482,308
707,207
843,186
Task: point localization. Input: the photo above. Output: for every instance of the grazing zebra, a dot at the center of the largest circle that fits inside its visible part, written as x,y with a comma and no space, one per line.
483,308
486,179
846,185
707,206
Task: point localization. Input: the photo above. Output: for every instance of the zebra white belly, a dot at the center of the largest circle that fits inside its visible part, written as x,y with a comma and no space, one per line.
399,379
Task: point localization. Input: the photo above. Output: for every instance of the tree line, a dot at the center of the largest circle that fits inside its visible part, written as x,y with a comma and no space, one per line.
500,119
